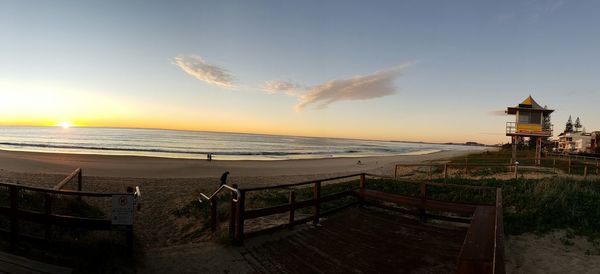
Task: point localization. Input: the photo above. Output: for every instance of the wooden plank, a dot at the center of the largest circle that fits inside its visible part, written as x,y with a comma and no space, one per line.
64,192
10,263
59,220
477,252
66,180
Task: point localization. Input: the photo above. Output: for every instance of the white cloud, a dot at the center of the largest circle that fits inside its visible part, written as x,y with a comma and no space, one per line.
378,84
195,66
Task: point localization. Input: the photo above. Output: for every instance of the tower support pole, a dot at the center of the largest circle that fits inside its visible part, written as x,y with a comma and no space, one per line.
538,151
514,148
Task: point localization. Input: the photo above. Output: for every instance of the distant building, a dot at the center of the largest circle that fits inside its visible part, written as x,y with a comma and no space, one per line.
572,140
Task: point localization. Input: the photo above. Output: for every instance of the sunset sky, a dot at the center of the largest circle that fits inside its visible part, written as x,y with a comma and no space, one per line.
436,71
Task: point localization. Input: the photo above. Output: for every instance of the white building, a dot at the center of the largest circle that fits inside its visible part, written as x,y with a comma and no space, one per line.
578,142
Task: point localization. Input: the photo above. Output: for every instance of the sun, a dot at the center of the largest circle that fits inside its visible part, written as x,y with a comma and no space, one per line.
65,124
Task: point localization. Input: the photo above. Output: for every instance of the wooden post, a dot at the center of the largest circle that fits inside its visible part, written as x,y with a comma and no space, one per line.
585,171
129,239
292,199
79,180
14,207
569,165
445,172
232,214
553,164
239,218
423,196
516,171
396,172
213,214
597,167
48,212
430,175
316,200
362,181
514,149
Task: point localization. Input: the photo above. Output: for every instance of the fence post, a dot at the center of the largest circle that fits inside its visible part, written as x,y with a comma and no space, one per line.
292,199
516,170
554,165
569,165
79,180
423,196
232,213
597,166
14,206
239,220
445,172
585,171
316,200
48,212
430,175
213,214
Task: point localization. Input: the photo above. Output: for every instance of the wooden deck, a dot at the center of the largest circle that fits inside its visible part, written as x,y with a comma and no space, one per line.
14,264
358,240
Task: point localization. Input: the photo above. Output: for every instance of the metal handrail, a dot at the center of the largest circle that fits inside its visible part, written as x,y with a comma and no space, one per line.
208,198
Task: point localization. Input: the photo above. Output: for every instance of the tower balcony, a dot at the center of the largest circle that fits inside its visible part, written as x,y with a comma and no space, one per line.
528,130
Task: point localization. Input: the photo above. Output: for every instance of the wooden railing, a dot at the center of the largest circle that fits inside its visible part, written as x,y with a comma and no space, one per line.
48,218
482,251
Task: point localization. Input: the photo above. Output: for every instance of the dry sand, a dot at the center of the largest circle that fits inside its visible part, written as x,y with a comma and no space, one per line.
153,167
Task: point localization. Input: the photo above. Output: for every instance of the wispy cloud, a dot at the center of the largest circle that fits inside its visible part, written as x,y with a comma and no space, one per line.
212,74
378,84
277,86
531,11
498,112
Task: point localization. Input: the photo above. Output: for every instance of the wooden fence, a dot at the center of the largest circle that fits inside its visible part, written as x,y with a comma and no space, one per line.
16,213
482,251
583,168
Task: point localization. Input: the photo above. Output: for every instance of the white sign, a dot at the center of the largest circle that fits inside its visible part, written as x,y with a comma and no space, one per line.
122,210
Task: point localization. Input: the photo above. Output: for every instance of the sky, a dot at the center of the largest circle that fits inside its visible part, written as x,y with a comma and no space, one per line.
434,71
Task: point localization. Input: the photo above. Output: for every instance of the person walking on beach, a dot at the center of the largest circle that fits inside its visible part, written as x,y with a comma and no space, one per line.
224,178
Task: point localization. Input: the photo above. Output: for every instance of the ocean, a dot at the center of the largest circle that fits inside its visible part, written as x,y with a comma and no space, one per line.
196,144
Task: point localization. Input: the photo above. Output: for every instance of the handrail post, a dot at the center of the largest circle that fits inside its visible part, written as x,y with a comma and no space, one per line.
14,207
239,220
232,213
292,200
213,213
362,181
423,196
316,200
48,212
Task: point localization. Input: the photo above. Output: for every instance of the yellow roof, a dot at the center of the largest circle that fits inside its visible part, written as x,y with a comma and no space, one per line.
528,101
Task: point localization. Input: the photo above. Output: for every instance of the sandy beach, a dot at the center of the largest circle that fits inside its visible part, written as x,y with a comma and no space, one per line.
154,167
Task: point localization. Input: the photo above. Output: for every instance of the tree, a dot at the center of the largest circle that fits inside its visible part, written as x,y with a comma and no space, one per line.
578,125
569,125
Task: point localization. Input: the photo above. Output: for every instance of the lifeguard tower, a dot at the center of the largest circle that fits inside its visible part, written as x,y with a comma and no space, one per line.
533,122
